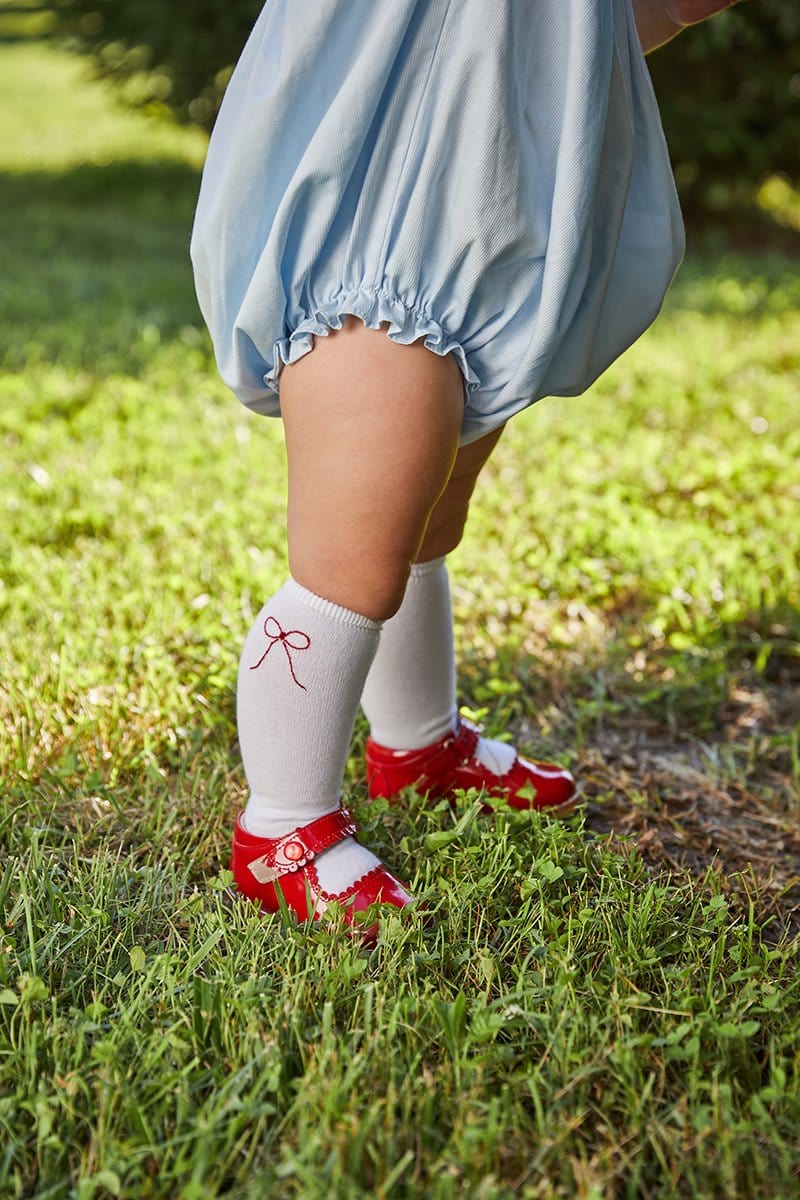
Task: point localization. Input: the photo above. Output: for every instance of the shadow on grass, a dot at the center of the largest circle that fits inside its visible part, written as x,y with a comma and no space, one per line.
96,264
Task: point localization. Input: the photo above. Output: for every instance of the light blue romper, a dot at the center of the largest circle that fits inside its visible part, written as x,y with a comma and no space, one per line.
489,175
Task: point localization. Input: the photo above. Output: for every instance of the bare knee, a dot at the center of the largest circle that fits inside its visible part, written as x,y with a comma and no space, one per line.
374,589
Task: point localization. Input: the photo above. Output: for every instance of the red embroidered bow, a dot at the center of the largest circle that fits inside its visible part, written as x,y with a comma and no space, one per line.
284,638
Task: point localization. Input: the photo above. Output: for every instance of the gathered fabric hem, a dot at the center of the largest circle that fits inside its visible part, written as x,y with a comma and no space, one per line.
374,308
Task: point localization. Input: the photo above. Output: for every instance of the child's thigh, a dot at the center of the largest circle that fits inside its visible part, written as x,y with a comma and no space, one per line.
372,431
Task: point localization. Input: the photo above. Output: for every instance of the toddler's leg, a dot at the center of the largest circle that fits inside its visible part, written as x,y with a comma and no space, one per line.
409,698
371,434
410,694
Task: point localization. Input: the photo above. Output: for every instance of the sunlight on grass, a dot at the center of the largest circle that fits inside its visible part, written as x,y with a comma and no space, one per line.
778,197
55,117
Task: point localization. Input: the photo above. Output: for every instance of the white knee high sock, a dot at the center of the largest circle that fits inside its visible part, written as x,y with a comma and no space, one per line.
410,694
301,673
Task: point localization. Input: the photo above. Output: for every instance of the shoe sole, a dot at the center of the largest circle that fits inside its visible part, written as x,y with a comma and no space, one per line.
560,810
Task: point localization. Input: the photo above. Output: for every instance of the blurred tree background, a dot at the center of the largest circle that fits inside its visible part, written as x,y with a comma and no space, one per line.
729,90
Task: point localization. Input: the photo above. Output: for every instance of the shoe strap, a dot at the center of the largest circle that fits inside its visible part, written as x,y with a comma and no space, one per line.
467,735
462,743
295,850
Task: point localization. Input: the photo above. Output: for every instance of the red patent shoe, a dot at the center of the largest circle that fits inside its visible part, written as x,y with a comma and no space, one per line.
450,764
261,866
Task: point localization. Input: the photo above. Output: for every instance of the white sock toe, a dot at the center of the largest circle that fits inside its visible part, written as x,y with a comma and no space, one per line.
497,757
343,864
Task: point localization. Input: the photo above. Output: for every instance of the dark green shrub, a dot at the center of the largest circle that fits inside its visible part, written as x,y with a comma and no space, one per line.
729,92
178,54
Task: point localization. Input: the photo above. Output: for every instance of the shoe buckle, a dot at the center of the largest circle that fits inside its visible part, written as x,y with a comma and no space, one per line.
295,850
288,856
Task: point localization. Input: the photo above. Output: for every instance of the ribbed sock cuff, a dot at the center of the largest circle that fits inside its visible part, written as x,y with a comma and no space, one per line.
421,569
327,607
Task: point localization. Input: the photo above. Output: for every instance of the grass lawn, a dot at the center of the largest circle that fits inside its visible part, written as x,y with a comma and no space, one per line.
607,1007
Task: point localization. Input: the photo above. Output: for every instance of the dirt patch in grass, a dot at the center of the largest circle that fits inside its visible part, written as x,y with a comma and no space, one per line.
727,802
